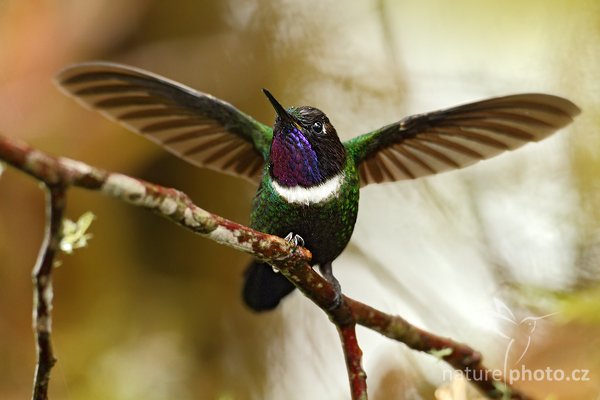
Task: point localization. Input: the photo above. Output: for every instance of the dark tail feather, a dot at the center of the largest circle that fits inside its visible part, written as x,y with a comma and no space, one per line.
264,288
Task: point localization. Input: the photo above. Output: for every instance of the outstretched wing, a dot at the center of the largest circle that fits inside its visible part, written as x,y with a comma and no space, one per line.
427,144
197,127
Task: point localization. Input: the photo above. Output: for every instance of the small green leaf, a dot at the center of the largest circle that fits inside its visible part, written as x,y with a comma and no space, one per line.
503,389
74,234
440,354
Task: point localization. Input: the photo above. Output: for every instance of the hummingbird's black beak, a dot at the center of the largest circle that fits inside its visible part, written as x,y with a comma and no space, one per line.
281,112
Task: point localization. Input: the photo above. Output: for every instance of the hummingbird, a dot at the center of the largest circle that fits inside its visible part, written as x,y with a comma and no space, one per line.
308,179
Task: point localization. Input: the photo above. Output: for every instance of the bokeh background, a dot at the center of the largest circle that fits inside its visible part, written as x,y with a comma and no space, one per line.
149,311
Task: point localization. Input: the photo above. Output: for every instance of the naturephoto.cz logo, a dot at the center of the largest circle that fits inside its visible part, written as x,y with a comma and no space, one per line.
513,369
520,374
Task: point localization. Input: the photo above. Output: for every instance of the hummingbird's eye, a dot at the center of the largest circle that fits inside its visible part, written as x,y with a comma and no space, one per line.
317,127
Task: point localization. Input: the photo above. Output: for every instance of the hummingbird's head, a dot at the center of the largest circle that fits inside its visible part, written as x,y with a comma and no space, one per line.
306,150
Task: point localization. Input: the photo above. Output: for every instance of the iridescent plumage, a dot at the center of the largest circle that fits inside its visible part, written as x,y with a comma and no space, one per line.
294,160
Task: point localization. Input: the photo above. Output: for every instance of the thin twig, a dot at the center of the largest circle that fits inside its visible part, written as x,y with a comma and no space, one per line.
293,262
353,355
460,356
42,294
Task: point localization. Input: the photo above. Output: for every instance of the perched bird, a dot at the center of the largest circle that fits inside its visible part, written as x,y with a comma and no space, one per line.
308,180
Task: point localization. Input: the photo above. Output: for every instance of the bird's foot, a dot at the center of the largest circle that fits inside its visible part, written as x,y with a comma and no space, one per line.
327,272
292,238
296,239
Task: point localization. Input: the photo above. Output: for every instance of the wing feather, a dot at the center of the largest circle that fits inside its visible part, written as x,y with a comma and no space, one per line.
430,143
196,127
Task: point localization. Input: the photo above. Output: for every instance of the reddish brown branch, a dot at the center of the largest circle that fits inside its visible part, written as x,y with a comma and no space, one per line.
461,357
169,203
42,294
293,262
353,355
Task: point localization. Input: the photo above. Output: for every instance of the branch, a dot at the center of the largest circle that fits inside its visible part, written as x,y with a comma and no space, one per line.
293,262
42,294
353,355
458,355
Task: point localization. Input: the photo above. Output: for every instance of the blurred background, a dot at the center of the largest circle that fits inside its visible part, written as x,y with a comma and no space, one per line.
150,311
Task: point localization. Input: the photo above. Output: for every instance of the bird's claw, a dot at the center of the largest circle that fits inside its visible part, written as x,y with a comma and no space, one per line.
296,239
337,288
291,238
337,300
